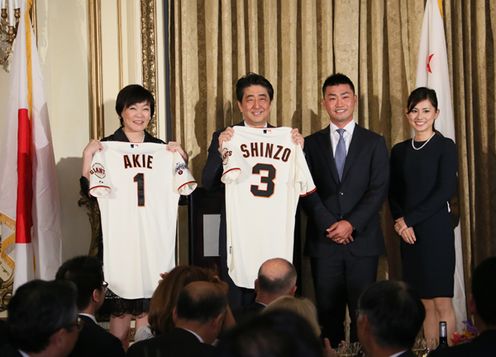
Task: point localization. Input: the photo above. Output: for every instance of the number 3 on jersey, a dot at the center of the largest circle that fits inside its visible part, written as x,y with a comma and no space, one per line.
267,178
140,188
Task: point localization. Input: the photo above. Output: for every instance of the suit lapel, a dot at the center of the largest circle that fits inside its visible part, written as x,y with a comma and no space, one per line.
325,143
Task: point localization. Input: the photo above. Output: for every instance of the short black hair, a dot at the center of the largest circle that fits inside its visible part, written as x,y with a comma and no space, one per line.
253,79
37,310
132,94
277,333
86,273
484,290
419,94
275,285
335,80
394,311
201,301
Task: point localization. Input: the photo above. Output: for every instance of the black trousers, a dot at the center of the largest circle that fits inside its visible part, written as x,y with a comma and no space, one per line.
339,280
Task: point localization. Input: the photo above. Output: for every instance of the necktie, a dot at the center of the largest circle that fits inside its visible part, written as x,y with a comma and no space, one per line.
340,154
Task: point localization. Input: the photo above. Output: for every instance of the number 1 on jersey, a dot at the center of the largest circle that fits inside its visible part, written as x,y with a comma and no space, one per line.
140,189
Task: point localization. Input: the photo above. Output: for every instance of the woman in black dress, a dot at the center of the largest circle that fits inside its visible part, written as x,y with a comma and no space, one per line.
135,106
423,179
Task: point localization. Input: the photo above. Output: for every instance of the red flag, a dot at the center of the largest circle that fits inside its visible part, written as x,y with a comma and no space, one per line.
28,164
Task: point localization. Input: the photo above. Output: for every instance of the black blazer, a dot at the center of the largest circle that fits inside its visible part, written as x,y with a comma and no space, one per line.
483,345
248,312
176,343
95,341
6,350
358,197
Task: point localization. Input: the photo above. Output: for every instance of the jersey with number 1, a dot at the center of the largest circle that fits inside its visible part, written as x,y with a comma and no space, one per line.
265,172
138,188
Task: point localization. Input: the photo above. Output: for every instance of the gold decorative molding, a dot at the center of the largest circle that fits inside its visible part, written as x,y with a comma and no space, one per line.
149,54
97,127
8,33
7,264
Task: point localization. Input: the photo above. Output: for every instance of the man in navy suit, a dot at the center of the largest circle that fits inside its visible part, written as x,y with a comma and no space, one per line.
254,95
390,316
198,319
276,277
482,304
87,274
350,168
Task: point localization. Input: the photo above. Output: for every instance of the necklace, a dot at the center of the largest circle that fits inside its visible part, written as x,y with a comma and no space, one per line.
424,144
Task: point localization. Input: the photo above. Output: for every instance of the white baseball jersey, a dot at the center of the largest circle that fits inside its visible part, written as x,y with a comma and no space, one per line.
265,172
138,188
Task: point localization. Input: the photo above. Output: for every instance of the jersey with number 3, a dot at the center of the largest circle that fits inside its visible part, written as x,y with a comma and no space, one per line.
138,188
265,172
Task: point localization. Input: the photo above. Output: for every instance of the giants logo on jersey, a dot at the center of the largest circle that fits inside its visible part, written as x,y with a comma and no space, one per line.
181,167
98,170
225,156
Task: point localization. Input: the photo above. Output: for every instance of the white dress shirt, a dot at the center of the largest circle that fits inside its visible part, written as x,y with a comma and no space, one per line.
347,135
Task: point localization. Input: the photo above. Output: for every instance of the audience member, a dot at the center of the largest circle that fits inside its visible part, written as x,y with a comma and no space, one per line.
278,333
87,274
165,297
198,319
276,278
42,320
482,304
302,306
390,316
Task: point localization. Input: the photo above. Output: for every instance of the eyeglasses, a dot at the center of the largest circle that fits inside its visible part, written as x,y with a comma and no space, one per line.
104,284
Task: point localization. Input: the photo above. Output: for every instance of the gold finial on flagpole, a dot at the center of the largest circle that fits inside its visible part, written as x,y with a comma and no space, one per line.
440,5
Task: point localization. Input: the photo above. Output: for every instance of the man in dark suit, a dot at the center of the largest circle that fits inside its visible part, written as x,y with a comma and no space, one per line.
482,304
87,274
390,316
198,318
254,95
350,168
42,320
276,278
276,333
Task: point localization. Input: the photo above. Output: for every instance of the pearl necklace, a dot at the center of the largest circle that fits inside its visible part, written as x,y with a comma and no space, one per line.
424,144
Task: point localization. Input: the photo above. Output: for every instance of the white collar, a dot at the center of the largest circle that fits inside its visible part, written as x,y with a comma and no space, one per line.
194,333
249,126
348,127
88,315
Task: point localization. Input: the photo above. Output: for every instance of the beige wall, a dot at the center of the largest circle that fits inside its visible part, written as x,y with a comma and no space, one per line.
63,45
